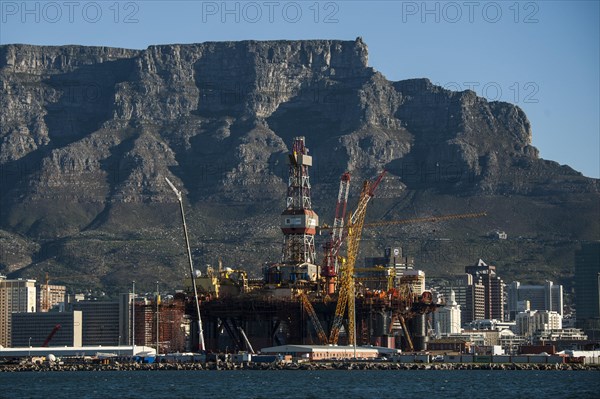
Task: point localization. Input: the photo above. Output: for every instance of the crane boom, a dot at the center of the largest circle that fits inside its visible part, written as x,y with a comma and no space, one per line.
332,247
49,337
409,342
427,219
246,340
45,292
346,292
340,308
189,253
46,295
313,318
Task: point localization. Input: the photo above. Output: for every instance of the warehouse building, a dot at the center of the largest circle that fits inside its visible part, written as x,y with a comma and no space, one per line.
330,352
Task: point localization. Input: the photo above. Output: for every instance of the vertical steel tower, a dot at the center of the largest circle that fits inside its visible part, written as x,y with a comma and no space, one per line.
299,222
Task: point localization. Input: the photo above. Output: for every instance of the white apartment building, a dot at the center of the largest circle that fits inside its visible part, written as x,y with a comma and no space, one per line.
530,321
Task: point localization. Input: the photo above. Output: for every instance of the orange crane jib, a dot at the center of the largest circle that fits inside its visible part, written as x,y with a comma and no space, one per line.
426,219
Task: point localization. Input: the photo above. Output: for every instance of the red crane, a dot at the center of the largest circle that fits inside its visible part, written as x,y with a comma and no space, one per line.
332,247
49,338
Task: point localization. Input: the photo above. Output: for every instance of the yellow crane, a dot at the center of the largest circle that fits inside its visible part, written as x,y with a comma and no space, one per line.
354,228
425,219
313,318
346,287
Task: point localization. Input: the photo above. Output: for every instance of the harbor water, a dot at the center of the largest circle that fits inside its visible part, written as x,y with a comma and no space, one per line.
303,384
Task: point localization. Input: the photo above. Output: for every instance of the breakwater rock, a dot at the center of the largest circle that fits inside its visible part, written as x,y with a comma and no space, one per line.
222,366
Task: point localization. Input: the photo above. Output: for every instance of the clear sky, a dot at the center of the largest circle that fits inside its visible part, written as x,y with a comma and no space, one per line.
541,55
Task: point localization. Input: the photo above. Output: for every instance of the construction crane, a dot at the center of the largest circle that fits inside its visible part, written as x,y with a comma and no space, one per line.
45,293
426,219
201,345
346,290
49,337
330,260
313,318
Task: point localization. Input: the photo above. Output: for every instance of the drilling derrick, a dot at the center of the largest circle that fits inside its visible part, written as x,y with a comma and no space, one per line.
299,222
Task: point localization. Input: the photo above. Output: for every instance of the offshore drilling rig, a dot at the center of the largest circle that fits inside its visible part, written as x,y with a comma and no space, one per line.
299,301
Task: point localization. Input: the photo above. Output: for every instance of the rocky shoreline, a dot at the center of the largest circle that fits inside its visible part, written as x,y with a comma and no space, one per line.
290,366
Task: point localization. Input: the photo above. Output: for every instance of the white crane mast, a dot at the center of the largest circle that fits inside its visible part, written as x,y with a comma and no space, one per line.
189,253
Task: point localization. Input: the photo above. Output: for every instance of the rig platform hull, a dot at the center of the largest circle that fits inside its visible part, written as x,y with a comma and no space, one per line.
244,323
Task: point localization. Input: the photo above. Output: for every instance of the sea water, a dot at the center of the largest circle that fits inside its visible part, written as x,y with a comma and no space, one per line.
284,384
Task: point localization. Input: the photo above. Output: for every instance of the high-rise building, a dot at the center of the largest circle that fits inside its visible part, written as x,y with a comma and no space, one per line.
145,324
173,325
125,319
59,328
494,288
15,296
587,289
49,295
447,319
100,322
469,295
541,297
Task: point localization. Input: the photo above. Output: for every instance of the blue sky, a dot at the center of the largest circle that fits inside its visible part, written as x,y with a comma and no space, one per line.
541,55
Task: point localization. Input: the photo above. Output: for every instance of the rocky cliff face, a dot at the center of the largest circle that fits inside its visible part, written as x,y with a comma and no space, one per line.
88,134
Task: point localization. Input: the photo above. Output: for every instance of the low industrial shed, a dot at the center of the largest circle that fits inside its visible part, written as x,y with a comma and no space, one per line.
331,352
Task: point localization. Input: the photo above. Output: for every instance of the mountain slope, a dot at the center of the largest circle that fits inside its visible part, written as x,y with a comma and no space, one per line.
88,134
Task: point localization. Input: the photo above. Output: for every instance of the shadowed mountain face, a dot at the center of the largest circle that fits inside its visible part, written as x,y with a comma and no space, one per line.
88,134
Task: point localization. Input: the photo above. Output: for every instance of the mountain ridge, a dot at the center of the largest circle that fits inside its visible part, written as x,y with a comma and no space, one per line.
89,133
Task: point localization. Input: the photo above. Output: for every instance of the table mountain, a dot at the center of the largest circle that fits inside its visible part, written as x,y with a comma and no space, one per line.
88,134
